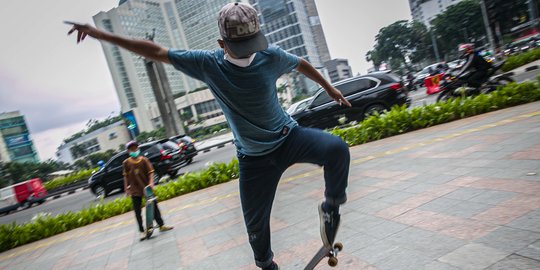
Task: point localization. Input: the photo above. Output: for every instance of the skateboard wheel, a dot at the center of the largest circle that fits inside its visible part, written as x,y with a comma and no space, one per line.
332,261
338,246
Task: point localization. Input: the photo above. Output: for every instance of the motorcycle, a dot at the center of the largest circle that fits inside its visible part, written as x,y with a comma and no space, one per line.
452,86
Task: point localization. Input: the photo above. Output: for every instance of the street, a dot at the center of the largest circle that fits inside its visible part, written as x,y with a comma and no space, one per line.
79,200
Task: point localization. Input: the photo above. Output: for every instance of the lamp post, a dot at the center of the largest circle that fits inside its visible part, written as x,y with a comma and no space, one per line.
486,24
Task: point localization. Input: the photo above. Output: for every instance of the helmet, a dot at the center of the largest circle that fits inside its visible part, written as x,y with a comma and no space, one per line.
466,49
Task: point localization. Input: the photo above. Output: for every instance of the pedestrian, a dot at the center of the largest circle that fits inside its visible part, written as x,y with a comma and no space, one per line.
242,76
139,173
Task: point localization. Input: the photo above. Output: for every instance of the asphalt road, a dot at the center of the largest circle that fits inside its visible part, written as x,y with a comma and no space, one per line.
79,200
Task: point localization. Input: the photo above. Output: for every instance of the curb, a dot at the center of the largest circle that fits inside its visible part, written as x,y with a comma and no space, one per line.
219,145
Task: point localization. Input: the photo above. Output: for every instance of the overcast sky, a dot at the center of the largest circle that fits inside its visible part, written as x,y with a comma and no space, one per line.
59,85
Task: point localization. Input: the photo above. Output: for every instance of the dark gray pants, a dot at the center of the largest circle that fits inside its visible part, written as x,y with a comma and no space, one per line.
259,177
137,203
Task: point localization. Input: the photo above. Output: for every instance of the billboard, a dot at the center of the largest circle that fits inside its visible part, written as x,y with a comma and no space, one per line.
17,140
131,123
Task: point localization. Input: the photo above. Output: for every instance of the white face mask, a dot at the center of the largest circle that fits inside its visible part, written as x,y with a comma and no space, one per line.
242,62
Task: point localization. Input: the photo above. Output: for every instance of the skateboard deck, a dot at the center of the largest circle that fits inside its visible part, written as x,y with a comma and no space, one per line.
325,251
150,200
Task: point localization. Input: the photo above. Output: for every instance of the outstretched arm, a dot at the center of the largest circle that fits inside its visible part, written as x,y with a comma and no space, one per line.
307,69
144,48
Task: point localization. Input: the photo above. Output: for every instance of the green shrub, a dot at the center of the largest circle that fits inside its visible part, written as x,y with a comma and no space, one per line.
82,175
521,59
400,120
45,225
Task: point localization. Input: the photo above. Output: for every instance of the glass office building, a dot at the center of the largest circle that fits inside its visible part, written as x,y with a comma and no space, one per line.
15,142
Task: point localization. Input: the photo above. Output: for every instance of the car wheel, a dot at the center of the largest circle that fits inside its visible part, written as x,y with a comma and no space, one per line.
26,205
100,191
375,108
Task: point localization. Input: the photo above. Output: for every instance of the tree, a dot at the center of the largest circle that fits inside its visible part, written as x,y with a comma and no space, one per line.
15,172
401,44
460,23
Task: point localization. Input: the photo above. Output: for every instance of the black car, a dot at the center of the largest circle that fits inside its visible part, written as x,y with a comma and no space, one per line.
187,148
374,92
165,156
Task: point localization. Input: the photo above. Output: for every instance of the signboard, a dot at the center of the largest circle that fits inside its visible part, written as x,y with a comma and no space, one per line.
17,140
131,122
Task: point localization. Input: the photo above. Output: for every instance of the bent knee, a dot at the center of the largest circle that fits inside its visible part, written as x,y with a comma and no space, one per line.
337,148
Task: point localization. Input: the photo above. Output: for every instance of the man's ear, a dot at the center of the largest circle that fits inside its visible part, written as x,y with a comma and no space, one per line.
221,43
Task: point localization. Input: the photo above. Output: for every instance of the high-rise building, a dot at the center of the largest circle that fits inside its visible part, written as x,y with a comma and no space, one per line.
294,25
338,69
426,10
15,142
186,24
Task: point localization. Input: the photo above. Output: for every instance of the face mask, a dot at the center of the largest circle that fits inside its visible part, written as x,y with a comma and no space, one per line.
242,62
134,154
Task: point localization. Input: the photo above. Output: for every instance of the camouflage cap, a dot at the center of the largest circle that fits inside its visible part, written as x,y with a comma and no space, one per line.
240,29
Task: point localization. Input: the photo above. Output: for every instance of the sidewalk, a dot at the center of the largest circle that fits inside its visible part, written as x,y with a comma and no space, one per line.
464,195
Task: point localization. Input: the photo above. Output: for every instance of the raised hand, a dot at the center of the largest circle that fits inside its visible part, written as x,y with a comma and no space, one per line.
84,30
338,97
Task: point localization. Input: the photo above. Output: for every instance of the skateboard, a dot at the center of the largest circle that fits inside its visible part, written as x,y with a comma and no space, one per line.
150,200
330,251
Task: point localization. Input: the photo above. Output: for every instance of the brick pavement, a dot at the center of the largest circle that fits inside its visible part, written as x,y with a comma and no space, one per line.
464,195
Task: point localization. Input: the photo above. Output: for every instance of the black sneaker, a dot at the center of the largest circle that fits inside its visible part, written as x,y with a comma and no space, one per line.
273,266
329,225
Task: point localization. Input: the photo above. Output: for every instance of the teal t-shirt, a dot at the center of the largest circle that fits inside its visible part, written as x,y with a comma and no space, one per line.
247,95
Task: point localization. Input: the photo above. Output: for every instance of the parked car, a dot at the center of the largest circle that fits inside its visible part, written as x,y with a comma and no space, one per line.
374,92
187,148
300,105
165,156
23,194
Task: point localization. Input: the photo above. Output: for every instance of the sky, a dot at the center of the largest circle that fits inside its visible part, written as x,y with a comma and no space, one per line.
59,85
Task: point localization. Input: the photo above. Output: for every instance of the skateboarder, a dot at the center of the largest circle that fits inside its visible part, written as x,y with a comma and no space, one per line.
242,76
138,173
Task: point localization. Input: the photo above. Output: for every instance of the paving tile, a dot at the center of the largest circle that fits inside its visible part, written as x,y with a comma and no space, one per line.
530,222
464,193
473,256
515,262
492,196
439,205
404,259
509,239
466,209
428,243
531,251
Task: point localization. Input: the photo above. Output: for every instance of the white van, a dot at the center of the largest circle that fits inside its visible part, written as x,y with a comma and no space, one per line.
8,201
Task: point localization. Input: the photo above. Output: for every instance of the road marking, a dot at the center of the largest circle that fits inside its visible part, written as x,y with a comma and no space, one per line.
210,201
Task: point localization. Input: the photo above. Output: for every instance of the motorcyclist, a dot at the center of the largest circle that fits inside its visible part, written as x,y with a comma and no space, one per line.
475,64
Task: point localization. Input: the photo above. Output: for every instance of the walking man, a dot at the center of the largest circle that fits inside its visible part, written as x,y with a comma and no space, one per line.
242,76
139,173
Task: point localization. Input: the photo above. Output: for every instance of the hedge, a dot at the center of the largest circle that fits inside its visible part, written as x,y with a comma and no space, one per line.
45,225
521,59
82,175
400,119
397,121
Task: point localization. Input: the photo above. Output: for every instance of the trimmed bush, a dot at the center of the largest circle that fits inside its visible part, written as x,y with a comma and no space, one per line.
400,119
45,225
397,121
521,59
78,176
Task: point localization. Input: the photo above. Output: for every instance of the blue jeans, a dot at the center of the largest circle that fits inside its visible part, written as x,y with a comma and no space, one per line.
259,177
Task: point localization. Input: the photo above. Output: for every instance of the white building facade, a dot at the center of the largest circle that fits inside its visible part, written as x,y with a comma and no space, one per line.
426,10
100,140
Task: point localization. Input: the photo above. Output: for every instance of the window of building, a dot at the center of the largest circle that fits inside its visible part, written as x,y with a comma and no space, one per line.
207,106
